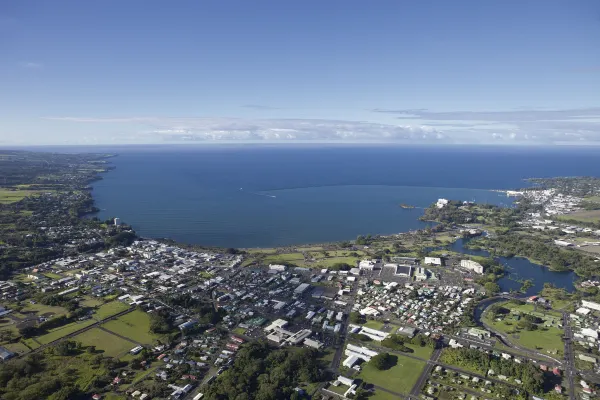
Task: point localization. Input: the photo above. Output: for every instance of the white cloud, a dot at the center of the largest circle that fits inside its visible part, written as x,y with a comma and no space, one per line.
237,129
31,65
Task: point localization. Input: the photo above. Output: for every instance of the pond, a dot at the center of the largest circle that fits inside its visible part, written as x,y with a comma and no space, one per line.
519,268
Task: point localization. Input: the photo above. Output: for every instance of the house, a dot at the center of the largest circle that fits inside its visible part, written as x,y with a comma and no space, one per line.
558,389
5,354
345,381
590,305
587,358
441,203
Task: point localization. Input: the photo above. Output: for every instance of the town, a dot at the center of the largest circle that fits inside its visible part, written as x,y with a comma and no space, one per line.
94,311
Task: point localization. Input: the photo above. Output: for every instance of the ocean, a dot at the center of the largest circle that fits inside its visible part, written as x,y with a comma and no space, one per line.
265,196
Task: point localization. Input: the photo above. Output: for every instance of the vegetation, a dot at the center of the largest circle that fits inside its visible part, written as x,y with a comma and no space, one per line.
262,373
399,378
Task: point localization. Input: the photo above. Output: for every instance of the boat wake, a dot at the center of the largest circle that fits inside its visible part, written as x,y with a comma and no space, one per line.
258,194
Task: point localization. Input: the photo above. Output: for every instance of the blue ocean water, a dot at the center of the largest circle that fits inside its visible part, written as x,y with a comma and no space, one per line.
262,196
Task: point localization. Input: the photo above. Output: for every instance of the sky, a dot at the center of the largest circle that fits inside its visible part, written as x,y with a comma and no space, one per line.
401,71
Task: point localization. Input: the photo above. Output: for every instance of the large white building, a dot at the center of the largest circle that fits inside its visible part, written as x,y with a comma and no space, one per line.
472,265
433,261
590,305
277,267
369,264
356,353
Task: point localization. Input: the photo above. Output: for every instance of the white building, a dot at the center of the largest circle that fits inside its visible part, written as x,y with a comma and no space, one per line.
303,287
369,264
589,333
345,381
472,265
433,261
590,304
277,267
117,221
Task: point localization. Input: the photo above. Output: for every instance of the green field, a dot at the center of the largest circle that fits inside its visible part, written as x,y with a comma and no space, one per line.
112,345
400,378
110,309
545,340
135,326
42,309
8,196
52,275
91,302
374,324
421,352
62,331
583,216
239,331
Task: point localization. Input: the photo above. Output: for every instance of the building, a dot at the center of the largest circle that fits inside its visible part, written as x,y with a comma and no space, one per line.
345,381
187,325
479,333
590,305
277,267
374,333
441,203
407,331
117,221
277,324
403,270
592,333
369,264
303,287
587,358
563,243
136,350
5,354
420,274
472,266
433,261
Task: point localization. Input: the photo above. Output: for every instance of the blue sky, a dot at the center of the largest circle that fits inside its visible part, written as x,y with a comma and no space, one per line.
149,71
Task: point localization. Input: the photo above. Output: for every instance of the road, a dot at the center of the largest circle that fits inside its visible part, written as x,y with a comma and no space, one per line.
435,356
339,352
570,370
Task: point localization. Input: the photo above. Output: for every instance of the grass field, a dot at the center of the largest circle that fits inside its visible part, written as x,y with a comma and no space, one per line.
16,347
583,216
8,196
110,309
546,340
374,324
239,331
400,378
112,345
422,352
52,275
135,325
63,331
42,309
91,302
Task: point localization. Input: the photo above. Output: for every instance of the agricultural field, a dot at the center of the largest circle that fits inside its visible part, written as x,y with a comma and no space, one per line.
42,310
407,368
109,309
110,344
134,325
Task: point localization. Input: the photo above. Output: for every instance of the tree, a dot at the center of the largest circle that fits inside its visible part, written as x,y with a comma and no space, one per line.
491,287
356,317
383,361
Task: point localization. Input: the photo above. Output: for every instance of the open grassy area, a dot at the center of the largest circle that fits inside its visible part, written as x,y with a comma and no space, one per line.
374,324
110,309
545,340
400,378
422,352
63,331
583,216
112,345
52,275
8,196
239,331
135,326
91,302
17,347
43,310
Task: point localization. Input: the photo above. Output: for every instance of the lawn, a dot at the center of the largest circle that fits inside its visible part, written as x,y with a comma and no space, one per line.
17,347
112,345
52,275
421,352
135,326
8,196
583,216
62,331
109,309
374,324
91,302
42,309
239,331
546,341
400,378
